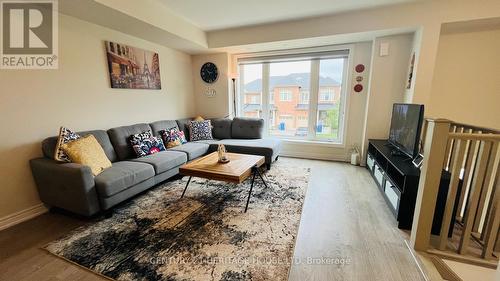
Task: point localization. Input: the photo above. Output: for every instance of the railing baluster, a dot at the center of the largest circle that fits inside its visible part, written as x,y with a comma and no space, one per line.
458,158
467,179
491,178
424,133
449,150
492,226
486,188
475,190
453,154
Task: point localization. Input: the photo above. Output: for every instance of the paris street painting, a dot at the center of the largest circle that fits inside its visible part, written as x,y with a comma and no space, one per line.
132,68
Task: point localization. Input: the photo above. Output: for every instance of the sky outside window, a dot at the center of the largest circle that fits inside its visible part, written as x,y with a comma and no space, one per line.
332,69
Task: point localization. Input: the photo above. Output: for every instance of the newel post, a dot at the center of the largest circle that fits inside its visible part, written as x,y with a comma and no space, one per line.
436,139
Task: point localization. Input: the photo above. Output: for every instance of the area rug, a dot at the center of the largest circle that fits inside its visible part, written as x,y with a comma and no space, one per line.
204,236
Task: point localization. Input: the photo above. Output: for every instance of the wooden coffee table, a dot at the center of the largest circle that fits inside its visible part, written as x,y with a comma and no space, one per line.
240,167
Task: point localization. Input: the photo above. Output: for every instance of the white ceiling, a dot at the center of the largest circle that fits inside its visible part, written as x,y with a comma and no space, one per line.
221,14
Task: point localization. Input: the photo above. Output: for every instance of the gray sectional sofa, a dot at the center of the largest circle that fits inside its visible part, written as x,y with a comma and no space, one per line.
72,187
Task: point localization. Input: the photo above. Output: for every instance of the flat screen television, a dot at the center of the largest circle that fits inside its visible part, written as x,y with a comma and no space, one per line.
406,124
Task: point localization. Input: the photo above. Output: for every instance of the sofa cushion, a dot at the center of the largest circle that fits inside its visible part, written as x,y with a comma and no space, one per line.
120,137
164,161
162,125
269,147
214,141
183,125
247,128
49,144
192,149
121,176
221,128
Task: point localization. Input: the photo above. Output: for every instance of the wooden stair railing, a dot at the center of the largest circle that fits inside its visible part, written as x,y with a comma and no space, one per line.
472,155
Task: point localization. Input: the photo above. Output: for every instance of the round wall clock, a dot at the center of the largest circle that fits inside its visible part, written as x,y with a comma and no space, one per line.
209,72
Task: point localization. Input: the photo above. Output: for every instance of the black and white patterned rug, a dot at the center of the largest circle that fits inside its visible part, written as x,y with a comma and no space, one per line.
203,236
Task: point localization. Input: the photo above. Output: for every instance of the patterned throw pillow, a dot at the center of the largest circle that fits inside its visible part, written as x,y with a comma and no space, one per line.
145,144
200,130
65,136
173,137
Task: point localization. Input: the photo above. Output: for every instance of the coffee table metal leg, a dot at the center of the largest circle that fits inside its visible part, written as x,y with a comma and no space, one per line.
189,180
260,176
251,187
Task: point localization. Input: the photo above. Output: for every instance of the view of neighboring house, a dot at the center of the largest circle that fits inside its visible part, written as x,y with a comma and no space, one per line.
289,104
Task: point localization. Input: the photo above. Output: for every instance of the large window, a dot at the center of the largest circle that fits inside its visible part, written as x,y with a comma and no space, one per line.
330,112
294,75
303,98
251,76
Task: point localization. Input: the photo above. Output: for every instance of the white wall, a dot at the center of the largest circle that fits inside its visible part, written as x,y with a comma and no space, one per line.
387,84
217,106
34,103
466,86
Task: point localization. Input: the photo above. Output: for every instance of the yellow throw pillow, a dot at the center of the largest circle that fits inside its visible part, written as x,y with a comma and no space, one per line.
87,151
198,118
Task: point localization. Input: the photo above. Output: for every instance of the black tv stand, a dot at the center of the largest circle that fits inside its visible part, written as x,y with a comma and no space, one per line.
396,177
396,152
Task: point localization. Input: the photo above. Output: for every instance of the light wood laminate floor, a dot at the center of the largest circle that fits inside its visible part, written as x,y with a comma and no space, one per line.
344,220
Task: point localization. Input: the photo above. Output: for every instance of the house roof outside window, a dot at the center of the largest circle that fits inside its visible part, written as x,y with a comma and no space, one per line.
295,79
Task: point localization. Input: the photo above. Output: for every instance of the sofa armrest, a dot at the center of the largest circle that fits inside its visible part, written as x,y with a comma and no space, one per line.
69,186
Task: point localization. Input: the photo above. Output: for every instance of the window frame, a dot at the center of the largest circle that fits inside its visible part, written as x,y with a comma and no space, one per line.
329,93
301,97
287,93
327,52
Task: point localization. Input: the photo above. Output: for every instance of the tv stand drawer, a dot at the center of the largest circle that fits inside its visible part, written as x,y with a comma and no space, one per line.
378,174
392,195
370,162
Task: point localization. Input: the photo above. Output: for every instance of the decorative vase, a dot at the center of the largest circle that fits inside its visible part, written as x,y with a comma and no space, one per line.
221,150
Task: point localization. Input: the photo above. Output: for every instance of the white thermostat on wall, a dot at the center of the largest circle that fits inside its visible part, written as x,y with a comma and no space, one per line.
210,92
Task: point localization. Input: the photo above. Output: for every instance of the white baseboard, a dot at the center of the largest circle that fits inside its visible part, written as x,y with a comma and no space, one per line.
22,216
316,156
